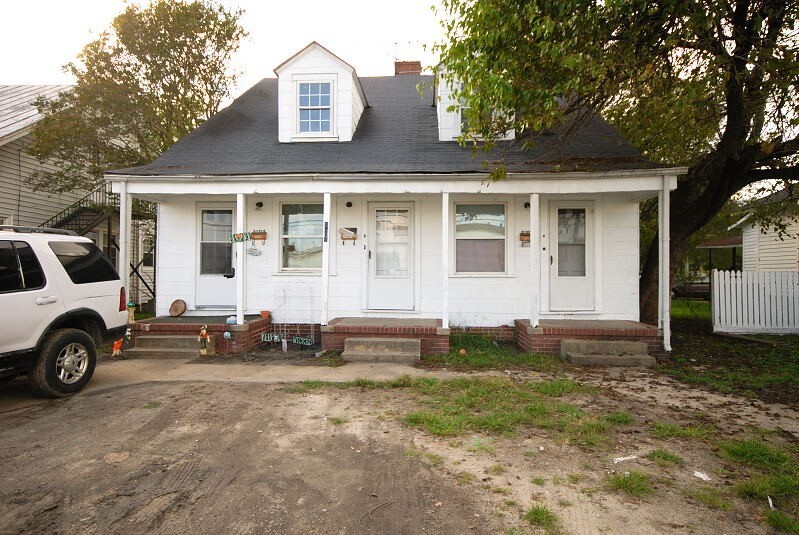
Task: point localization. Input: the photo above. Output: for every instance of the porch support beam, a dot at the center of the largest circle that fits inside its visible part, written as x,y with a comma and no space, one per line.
325,257
535,258
240,275
445,260
664,228
124,236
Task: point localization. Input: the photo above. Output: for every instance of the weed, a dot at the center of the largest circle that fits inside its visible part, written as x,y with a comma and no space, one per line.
337,420
564,503
710,497
434,459
779,486
413,453
619,418
782,521
530,454
576,478
455,443
480,445
539,480
496,469
333,362
665,458
757,454
589,431
557,387
464,478
632,483
510,503
557,480
540,515
666,430
500,490
152,404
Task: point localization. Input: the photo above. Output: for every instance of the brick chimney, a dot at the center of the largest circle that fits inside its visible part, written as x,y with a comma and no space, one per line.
407,68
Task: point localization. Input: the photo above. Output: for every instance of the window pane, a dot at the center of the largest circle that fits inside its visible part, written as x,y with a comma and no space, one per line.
302,253
217,225
84,262
571,242
216,258
304,100
480,221
324,100
314,100
305,126
324,115
480,256
305,89
32,274
9,270
324,88
324,126
392,259
302,219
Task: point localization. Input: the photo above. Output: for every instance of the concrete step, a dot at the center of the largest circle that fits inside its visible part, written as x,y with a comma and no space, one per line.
158,353
382,349
606,353
165,341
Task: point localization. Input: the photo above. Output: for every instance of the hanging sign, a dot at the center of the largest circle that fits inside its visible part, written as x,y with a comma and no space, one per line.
239,237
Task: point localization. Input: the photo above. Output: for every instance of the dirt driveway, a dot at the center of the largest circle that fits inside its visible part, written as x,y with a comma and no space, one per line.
238,457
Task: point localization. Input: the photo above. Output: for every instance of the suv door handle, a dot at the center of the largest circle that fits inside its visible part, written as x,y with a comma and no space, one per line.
46,300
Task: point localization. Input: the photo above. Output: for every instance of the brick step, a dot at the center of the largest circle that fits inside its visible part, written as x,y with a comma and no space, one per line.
382,349
173,341
159,353
606,353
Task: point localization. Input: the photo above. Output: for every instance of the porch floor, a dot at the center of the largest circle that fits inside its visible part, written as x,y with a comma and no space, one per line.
596,325
384,322
195,320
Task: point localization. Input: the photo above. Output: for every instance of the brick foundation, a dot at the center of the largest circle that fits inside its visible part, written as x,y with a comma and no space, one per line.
435,340
243,338
547,339
503,333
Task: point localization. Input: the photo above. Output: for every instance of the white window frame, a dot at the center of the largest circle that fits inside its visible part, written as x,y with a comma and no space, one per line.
454,239
281,236
314,79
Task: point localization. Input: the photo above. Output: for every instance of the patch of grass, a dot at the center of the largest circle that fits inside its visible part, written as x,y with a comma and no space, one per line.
633,483
500,490
710,497
782,521
465,478
434,459
557,387
588,431
779,486
482,353
510,503
688,309
337,420
152,404
333,362
541,516
539,480
665,458
667,430
576,478
480,445
619,418
757,454
496,469
530,454
296,389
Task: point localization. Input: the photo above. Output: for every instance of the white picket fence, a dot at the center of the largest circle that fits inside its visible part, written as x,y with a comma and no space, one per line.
755,301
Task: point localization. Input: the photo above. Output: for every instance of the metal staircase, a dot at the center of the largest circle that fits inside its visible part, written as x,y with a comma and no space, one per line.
99,206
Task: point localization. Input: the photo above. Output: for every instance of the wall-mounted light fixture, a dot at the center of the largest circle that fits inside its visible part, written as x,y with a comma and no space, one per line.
349,204
259,205
527,205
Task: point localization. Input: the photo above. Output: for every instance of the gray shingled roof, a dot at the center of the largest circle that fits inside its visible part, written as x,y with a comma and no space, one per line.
396,134
16,106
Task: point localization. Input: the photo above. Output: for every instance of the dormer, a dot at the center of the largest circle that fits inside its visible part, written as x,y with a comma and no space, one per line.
451,111
320,97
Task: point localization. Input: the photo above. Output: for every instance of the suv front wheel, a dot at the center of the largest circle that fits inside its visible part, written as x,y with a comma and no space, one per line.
65,364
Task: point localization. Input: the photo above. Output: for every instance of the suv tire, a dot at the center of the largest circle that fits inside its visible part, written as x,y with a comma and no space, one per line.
65,364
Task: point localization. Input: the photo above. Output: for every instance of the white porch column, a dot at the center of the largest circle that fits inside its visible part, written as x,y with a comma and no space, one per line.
535,259
325,257
124,236
664,228
240,252
445,260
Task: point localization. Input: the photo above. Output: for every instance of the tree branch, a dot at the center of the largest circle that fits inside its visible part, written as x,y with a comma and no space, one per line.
785,173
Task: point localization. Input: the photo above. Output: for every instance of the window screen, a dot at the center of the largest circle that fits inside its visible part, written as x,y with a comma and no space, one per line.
480,238
301,235
84,262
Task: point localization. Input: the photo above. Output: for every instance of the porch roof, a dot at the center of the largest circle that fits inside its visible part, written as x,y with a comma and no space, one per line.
397,134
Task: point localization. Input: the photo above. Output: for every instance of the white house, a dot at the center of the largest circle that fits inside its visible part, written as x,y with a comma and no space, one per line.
372,210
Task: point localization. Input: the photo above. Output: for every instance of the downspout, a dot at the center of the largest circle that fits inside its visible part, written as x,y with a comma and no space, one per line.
665,264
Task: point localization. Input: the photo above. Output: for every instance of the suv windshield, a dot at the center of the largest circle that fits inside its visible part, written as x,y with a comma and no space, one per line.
84,262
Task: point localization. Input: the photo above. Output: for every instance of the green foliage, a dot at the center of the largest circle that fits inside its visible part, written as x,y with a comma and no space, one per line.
710,497
540,515
154,76
782,522
619,418
632,483
667,430
665,458
484,353
757,454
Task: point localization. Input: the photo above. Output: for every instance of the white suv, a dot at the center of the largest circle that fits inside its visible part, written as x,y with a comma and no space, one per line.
59,297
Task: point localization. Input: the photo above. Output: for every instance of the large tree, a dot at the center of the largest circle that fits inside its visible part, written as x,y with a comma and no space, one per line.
157,74
708,84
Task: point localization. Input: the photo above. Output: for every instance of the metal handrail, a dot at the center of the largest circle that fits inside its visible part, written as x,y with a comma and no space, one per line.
99,197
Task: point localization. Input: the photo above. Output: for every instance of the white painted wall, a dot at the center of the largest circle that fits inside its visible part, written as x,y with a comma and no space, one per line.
478,300
315,64
767,252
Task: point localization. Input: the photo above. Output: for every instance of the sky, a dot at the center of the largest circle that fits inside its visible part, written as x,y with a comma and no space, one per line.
39,36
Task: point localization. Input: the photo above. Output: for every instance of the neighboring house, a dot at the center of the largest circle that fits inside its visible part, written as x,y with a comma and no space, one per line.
93,214
770,250
373,210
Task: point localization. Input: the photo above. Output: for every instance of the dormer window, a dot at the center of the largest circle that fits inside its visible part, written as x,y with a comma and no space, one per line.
314,107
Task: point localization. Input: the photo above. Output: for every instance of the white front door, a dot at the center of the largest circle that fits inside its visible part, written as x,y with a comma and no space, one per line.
571,261
390,256
216,283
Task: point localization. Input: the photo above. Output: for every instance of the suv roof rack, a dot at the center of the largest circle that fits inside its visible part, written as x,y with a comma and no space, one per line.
38,230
